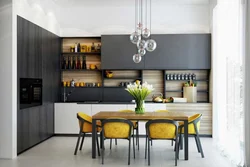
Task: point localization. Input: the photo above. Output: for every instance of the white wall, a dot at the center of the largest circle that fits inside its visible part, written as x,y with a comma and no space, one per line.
9,9
8,83
37,14
247,88
114,19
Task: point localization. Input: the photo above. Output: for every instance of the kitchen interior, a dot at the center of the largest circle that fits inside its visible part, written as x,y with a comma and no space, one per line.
65,60
60,76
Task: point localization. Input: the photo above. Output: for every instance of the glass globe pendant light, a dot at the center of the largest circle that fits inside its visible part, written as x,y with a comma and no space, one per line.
135,37
151,45
146,33
142,52
142,35
141,44
137,58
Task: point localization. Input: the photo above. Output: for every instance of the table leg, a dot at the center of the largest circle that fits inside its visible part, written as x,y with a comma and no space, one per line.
186,139
94,138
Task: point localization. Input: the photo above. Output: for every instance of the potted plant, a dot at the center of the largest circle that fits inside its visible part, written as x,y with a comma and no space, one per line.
139,92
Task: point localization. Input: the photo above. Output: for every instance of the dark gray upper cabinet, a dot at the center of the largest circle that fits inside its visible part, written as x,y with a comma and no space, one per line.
29,49
180,51
117,53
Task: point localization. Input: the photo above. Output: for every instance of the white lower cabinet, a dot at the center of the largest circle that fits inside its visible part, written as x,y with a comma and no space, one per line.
107,107
66,121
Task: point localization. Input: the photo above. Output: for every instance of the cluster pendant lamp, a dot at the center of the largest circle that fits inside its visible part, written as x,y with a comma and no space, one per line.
142,35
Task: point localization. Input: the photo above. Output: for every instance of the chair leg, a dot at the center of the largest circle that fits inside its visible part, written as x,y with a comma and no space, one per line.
110,144
134,146
138,136
151,142
83,136
146,144
97,143
102,149
77,143
176,150
172,142
149,151
197,145
101,140
129,148
115,141
181,141
199,142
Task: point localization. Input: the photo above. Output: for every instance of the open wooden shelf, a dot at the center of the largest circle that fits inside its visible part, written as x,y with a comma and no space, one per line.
198,91
124,78
198,80
80,70
81,53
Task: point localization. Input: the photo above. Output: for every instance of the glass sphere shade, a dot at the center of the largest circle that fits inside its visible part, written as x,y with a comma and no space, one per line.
142,52
135,37
146,33
137,58
141,44
151,45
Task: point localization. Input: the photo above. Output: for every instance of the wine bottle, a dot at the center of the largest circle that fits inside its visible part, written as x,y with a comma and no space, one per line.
69,63
78,47
74,63
64,63
84,62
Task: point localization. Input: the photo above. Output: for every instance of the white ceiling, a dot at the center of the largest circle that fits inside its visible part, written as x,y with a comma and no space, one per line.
95,17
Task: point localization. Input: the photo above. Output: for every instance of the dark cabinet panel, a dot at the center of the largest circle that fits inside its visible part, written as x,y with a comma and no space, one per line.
38,53
82,94
117,53
50,119
34,136
29,59
43,123
116,94
180,51
19,132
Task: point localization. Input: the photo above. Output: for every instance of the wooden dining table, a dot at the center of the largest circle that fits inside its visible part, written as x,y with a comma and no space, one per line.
178,116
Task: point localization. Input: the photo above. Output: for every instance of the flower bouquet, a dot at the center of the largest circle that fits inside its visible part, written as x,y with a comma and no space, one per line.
139,92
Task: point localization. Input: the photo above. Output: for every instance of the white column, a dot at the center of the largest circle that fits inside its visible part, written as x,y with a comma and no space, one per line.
247,87
8,81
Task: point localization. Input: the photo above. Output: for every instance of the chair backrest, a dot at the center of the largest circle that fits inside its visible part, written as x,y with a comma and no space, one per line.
162,129
85,122
161,111
193,121
117,128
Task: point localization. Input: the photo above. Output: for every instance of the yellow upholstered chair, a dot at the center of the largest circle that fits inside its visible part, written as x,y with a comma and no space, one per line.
193,129
135,127
117,128
85,126
161,129
172,142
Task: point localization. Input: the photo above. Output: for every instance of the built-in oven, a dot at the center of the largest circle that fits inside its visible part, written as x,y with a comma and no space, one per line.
30,92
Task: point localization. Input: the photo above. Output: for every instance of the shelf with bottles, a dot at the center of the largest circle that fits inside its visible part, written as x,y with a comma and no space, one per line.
80,63
186,75
83,45
81,53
